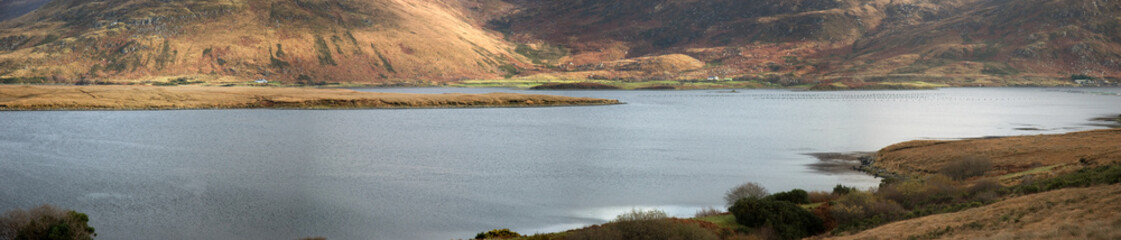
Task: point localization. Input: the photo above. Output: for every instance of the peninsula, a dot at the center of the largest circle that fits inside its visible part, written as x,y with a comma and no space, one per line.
38,97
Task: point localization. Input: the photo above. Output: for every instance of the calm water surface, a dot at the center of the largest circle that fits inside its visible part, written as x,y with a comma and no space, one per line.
450,173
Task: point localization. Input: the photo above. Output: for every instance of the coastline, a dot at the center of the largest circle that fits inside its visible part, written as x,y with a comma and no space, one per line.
79,98
1010,154
1068,174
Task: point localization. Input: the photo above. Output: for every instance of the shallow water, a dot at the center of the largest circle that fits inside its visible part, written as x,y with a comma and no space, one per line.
450,173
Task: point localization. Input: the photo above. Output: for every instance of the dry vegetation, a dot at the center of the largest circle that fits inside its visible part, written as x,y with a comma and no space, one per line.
1074,213
1008,155
195,97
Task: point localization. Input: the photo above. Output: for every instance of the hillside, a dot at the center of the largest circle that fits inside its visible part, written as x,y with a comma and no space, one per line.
778,42
1007,155
1074,213
307,41
960,42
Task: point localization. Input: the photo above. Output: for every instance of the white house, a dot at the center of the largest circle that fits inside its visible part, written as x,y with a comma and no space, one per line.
262,81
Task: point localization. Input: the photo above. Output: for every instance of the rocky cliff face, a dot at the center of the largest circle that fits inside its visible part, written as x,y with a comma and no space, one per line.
961,42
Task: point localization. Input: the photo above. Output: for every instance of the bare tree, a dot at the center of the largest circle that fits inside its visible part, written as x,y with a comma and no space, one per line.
746,190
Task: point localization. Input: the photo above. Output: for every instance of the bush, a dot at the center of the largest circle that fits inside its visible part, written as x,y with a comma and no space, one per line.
860,210
45,222
822,196
637,224
1080,77
746,190
707,212
640,215
497,234
788,220
841,190
984,186
822,212
967,167
796,196
913,193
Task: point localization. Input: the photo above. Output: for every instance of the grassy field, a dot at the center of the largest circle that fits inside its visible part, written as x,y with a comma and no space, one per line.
28,97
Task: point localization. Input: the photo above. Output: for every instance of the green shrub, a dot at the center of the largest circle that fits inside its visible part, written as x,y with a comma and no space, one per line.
547,52
788,220
46,222
510,70
796,196
497,234
1080,77
842,190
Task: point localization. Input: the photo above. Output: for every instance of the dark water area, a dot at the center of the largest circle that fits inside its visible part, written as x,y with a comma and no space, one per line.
450,173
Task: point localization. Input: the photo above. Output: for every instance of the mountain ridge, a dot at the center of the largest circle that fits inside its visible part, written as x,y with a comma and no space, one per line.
956,42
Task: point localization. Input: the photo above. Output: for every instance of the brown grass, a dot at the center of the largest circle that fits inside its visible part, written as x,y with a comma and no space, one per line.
1075,213
1008,155
195,97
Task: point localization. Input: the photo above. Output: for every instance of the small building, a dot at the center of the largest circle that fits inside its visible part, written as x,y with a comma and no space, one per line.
262,81
1083,81
713,78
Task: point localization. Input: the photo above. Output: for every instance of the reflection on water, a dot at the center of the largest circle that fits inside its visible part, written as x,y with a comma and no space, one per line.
450,173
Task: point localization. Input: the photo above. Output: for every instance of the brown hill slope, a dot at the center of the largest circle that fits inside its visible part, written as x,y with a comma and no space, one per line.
305,40
1008,155
962,42
1074,213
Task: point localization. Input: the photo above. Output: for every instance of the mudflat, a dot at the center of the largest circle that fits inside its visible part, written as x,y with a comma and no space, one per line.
40,97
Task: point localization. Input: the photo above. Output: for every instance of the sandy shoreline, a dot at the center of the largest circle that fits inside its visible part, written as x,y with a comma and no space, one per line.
40,97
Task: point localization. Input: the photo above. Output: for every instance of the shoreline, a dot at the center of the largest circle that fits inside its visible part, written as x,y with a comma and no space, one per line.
916,158
914,163
102,98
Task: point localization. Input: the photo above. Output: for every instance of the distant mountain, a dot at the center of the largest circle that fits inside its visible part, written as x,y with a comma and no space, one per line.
366,41
14,8
965,42
959,42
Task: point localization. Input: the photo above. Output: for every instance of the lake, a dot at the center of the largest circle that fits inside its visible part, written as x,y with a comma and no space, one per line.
451,173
